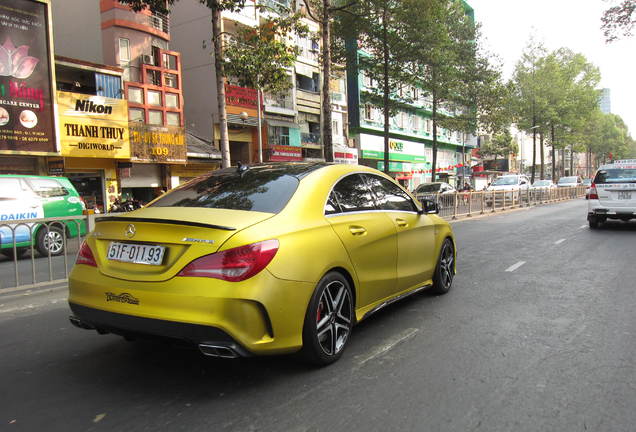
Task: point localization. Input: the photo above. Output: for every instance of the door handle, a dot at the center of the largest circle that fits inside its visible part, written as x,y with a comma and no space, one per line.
357,230
401,223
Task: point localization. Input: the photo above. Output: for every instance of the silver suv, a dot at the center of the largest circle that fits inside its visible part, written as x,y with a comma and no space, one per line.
612,194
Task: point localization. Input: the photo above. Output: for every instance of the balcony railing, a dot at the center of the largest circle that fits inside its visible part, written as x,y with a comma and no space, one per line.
284,102
160,21
278,140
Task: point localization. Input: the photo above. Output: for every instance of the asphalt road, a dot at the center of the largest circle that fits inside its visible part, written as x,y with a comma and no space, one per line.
538,334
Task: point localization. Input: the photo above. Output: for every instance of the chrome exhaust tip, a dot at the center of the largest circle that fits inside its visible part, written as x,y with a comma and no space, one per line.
79,323
220,351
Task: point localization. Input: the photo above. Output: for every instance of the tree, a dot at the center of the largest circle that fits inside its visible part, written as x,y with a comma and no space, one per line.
216,7
378,27
446,65
501,144
618,21
259,57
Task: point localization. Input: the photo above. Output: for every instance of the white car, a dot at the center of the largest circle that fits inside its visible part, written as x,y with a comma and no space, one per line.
514,185
612,194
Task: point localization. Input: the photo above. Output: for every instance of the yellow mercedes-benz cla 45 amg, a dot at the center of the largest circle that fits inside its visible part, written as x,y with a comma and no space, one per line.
266,259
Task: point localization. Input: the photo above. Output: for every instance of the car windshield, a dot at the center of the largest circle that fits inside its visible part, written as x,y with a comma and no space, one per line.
567,180
262,189
505,181
541,183
432,187
616,175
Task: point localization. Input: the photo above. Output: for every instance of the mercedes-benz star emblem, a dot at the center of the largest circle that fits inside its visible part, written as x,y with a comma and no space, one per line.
130,231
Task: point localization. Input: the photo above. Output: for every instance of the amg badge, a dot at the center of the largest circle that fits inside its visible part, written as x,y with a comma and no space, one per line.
122,298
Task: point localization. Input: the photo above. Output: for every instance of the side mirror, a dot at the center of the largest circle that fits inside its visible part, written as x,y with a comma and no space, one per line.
429,207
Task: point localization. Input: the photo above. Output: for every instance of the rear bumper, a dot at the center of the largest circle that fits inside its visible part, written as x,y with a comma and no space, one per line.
263,315
128,325
596,210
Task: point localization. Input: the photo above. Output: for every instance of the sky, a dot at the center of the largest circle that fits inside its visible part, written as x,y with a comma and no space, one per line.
507,26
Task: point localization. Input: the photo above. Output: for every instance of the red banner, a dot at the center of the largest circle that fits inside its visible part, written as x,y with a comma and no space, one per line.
279,153
240,96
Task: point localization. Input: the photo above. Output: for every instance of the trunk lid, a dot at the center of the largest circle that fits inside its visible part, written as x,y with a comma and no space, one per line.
184,234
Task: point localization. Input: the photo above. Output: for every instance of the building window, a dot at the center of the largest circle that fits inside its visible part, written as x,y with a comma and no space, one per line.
155,117
154,98
308,84
171,80
153,77
169,61
136,95
415,122
278,135
172,100
136,115
368,112
335,127
124,50
173,119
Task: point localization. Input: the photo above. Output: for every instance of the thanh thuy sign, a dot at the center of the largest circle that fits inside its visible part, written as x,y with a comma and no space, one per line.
93,126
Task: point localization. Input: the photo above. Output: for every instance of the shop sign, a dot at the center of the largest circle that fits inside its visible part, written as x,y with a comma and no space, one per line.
399,150
285,153
241,96
93,126
26,95
346,156
157,143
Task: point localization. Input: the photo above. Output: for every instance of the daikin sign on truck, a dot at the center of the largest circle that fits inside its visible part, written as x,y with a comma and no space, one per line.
24,198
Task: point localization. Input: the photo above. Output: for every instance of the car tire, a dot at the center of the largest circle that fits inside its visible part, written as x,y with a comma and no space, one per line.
50,240
593,223
445,269
19,252
328,321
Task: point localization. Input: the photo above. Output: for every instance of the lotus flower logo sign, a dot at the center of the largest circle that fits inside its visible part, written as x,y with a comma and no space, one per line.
16,62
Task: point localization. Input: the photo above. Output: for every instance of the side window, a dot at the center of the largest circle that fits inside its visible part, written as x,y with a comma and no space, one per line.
349,195
11,188
47,188
388,195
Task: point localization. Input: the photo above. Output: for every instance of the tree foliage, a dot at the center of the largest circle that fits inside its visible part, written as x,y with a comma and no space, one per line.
618,21
500,145
260,57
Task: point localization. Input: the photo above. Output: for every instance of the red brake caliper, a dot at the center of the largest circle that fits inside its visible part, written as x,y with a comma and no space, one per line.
319,313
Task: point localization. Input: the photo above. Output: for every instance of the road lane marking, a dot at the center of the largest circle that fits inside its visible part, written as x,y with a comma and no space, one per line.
583,226
559,241
407,334
515,266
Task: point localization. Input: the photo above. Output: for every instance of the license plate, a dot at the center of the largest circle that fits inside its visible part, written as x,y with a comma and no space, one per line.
624,195
136,253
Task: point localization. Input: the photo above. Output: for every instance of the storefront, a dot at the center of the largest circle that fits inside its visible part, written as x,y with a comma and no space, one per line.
154,150
93,137
407,159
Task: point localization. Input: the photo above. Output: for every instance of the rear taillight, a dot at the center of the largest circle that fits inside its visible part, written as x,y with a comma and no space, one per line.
85,256
592,194
233,265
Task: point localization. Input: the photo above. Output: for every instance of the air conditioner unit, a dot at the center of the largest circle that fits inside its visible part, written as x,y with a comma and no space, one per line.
147,59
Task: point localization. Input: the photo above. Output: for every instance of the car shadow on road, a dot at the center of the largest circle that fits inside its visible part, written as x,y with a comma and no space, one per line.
618,226
156,370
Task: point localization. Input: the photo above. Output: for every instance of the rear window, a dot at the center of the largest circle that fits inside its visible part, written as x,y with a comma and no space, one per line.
566,180
506,181
615,175
428,187
262,189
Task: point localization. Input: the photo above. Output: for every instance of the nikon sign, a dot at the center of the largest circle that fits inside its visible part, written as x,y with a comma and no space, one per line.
93,126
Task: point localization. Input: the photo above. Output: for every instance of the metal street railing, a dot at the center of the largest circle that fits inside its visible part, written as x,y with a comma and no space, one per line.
48,249
466,204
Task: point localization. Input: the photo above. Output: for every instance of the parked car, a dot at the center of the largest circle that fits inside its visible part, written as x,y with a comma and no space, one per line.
543,184
440,192
509,187
587,183
266,259
24,197
569,181
612,194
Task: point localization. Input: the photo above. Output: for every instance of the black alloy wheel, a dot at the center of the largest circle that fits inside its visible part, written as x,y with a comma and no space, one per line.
329,320
445,270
